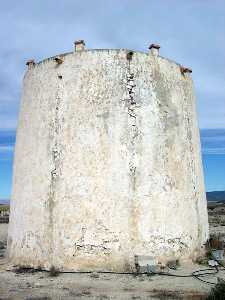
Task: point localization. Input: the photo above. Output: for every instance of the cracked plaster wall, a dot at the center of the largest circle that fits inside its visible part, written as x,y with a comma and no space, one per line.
107,164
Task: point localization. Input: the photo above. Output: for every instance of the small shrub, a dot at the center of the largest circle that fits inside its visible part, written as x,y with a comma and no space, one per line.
217,292
53,272
209,254
173,264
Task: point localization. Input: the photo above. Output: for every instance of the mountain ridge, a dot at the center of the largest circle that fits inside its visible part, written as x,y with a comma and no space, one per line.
214,196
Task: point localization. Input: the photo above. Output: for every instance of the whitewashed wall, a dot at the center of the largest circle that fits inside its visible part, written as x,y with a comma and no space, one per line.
101,175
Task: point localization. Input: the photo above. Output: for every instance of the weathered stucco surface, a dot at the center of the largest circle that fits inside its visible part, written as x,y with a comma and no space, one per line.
107,164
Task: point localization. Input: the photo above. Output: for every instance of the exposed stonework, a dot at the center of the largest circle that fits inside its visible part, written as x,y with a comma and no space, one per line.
107,163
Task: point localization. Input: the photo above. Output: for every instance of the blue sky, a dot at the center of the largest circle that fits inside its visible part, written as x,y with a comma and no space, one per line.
189,32
213,158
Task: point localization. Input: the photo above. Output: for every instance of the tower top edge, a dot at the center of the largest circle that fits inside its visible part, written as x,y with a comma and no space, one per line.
63,55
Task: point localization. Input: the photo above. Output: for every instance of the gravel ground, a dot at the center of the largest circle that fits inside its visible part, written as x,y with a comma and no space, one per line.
40,286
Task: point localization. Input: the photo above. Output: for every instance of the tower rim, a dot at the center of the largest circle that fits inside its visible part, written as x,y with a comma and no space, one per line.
125,50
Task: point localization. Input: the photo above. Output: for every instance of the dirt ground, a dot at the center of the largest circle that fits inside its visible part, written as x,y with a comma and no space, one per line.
41,286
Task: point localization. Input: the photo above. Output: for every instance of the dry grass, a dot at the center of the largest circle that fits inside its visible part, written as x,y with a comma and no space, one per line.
53,272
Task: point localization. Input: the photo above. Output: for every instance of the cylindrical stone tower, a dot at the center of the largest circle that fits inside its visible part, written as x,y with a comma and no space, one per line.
107,163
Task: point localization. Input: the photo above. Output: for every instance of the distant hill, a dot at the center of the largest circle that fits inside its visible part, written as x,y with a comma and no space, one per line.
4,201
217,196
211,196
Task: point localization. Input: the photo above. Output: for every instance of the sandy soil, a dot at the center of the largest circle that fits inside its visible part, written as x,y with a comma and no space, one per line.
41,286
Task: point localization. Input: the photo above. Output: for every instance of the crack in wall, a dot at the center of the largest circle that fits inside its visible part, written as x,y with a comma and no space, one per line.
133,134
55,172
91,249
131,109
